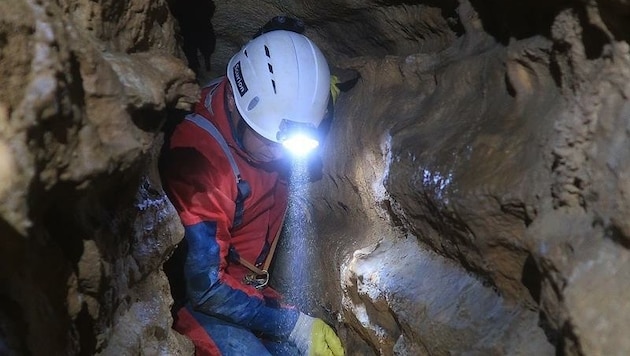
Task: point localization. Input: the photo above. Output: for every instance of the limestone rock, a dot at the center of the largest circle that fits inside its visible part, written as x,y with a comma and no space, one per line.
473,194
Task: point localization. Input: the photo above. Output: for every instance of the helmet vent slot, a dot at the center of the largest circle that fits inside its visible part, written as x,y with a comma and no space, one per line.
253,103
270,68
267,52
273,83
245,53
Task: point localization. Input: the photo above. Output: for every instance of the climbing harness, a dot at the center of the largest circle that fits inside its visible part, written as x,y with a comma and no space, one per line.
259,275
243,188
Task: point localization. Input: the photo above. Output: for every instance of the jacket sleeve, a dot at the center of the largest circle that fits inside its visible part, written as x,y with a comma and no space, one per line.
198,191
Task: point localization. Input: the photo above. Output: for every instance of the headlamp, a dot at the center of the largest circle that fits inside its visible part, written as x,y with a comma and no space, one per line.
298,137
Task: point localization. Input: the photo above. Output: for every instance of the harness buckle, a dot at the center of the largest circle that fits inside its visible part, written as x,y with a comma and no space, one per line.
258,281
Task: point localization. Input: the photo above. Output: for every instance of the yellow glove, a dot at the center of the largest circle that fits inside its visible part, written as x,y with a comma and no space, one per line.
334,89
313,337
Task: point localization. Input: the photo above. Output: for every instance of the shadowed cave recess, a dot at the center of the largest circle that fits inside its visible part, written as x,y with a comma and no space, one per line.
473,196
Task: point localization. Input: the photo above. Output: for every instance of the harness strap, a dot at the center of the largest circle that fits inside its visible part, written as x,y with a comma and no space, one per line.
242,186
263,268
259,278
261,274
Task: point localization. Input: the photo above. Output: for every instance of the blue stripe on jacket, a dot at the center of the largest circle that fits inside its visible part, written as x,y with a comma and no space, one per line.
208,294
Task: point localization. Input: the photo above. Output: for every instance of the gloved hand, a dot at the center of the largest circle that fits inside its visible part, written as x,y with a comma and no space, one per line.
334,89
313,337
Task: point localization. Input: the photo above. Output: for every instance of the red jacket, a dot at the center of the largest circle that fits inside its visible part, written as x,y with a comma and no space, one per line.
199,181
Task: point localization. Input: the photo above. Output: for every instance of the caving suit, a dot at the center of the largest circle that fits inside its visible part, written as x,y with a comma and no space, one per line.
221,313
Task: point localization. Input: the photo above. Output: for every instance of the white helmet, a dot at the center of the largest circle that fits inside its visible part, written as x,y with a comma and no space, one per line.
281,82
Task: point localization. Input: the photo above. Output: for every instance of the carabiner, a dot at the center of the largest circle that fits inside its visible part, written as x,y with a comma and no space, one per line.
258,281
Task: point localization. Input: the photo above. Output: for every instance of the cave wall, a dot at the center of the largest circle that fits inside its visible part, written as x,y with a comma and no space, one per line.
502,152
473,199
85,226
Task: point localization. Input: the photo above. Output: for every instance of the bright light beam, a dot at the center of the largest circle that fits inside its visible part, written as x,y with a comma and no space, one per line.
300,145
299,240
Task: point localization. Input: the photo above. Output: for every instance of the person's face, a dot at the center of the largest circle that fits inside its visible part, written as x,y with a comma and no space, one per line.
258,148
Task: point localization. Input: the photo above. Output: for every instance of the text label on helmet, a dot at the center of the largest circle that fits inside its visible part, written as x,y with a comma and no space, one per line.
238,78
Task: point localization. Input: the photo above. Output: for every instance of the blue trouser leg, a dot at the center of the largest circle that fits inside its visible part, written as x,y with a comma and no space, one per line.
234,340
281,348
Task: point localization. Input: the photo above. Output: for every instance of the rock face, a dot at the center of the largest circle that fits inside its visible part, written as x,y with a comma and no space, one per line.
85,226
474,194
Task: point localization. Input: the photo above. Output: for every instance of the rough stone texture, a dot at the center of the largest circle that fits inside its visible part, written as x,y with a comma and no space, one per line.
503,150
473,200
85,228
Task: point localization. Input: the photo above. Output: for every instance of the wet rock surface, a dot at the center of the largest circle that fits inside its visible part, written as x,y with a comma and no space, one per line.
85,227
473,195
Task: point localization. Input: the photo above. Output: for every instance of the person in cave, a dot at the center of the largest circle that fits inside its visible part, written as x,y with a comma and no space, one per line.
225,169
